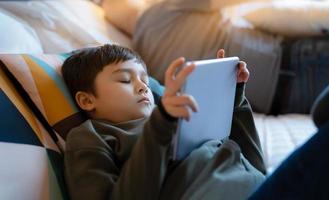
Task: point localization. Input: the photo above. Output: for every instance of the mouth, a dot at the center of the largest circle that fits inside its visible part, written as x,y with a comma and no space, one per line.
144,100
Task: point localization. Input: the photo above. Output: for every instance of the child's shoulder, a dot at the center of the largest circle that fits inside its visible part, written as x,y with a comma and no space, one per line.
82,136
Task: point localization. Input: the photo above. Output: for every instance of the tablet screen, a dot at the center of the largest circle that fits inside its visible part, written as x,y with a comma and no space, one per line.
212,84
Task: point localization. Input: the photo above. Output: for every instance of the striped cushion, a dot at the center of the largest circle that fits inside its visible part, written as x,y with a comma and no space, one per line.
41,78
31,167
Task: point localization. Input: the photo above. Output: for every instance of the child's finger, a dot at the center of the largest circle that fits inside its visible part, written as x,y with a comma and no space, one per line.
243,68
183,74
243,72
170,72
181,112
183,100
242,65
221,53
179,80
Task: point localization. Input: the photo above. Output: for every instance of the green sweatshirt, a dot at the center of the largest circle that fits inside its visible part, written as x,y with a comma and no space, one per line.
131,160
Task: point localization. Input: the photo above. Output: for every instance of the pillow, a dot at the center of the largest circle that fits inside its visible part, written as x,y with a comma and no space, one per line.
63,26
291,18
125,13
207,5
32,165
41,78
16,36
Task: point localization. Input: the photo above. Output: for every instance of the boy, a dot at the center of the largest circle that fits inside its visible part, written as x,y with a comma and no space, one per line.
123,150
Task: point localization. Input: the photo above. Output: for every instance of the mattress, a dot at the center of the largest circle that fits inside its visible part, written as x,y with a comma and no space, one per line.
281,135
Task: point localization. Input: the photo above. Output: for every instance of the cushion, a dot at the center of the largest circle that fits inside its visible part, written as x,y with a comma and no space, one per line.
207,5
61,26
32,168
125,13
16,36
291,18
40,77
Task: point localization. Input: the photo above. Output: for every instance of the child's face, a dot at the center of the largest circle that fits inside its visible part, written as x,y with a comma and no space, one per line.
122,93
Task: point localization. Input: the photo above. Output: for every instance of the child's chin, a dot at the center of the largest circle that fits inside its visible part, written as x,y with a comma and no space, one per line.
145,113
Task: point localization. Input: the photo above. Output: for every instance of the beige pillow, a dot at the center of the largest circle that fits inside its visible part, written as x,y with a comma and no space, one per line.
124,13
291,18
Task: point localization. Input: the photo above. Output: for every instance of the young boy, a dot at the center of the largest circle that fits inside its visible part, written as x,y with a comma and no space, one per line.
123,150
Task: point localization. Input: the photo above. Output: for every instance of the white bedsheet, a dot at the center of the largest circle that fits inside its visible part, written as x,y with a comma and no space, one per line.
281,135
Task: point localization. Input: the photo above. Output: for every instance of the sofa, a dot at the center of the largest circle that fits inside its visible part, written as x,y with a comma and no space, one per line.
35,107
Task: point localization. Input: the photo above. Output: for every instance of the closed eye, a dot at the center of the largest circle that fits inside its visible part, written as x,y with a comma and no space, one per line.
125,81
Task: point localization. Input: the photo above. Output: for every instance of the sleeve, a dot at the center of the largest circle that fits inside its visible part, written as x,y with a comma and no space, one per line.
143,174
243,130
90,168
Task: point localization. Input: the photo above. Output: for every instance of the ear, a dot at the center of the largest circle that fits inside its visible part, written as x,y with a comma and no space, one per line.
85,101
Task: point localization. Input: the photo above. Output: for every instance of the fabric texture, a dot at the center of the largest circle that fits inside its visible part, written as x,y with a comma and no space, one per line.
40,77
33,168
282,134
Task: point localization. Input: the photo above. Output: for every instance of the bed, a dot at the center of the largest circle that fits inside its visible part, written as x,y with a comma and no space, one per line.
62,26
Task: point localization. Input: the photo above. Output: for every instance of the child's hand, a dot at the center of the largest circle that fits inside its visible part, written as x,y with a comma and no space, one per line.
176,104
243,72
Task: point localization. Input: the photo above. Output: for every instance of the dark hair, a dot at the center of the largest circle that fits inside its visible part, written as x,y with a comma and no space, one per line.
81,68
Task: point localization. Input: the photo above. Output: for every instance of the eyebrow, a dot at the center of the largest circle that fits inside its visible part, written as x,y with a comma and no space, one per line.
127,71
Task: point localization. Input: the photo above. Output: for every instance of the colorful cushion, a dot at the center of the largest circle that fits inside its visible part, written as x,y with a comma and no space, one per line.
31,167
41,78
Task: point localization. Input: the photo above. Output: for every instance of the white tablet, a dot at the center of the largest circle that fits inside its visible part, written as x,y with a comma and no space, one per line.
212,84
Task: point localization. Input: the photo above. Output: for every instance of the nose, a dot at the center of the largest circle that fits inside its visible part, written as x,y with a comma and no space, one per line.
142,87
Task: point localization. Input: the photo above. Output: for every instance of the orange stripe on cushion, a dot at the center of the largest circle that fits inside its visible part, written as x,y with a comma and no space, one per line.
55,103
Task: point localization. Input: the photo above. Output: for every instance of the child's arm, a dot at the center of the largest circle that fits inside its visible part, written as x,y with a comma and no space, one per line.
143,173
243,129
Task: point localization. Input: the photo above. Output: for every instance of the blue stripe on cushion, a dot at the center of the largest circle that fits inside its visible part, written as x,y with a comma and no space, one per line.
64,56
13,126
55,77
156,86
